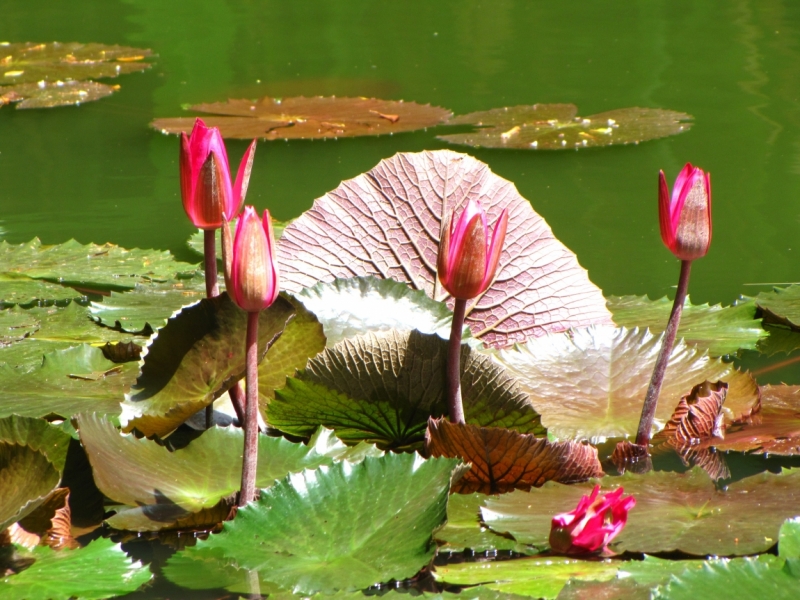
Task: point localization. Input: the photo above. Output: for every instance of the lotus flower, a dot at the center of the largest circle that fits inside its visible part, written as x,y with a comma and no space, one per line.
592,525
205,177
467,261
251,273
686,218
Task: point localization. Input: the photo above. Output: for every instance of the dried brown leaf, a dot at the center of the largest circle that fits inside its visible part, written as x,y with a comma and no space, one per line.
50,522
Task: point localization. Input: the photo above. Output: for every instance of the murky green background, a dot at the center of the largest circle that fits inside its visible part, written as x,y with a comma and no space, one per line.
98,173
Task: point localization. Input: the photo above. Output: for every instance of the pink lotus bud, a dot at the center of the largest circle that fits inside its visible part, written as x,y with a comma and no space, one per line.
467,262
592,525
686,218
252,273
205,177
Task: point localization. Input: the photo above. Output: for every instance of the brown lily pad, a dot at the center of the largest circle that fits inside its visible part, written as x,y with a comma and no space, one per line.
58,93
558,127
50,523
504,459
386,222
697,417
312,118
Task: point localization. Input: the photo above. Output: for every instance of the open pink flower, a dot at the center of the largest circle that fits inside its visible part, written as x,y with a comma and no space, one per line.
206,188
592,525
467,261
251,273
686,217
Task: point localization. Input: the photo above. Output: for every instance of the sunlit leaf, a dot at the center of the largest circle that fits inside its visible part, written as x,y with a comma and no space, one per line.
100,570
15,325
27,292
50,524
719,329
49,94
557,127
591,383
196,357
73,324
92,266
503,459
350,526
386,222
779,339
673,512
382,388
350,307
29,62
465,531
781,306
317,117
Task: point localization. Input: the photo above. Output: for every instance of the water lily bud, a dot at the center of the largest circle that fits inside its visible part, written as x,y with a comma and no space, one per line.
206,188
467,262
592,525
686,217
253,280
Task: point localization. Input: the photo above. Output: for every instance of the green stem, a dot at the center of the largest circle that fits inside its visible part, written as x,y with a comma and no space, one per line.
250,457
453,374
651,400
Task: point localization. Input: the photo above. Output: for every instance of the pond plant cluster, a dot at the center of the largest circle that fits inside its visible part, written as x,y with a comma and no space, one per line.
412,378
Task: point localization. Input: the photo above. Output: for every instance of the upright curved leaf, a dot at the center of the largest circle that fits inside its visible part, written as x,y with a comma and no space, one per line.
386,223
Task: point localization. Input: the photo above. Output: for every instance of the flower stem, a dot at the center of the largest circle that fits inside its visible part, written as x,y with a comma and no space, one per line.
210,255
248,491
453,381
651,400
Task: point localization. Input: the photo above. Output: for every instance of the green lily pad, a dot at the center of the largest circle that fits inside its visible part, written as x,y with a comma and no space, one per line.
196,357
37,434
168,486
350,307
15,325
382,388
779,339
57,93
73,324
69,381
196,241
100,570
90,266
28,292
29,62
789,539
673,512
350,526
781,306
557,127
591,383
720,330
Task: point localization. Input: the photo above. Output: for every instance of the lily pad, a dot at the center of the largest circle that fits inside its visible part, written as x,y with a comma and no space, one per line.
29,62
557,127
781,306
719,329
464,529
100,570
68,381
29,292
382,388
90,266
779,339
312,118
58,93
196,357
673,511
350,307
15,325
386,222
590,383
168,486
503,459
73,324
350,526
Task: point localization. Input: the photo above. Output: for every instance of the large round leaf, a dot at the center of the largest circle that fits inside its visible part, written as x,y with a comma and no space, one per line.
591,383
383,387
781,306
673,512
386,223
342,528
25,291
59,93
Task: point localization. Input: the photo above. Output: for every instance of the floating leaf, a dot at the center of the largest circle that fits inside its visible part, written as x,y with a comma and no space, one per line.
381,388
309,118
781,306
719,329
29,292
59,93
50,523
100,570
68,381
591,383
90,266
504,459
38,435
72,324
576,589
350,307
350,526
673,511
386,223
196,357
29,62
464,530
15,325
779,339
557,127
